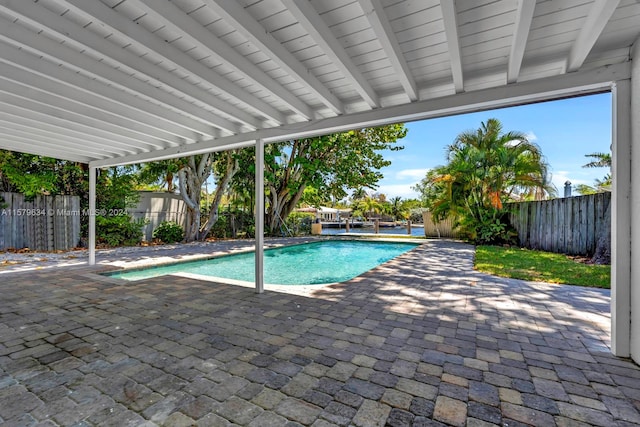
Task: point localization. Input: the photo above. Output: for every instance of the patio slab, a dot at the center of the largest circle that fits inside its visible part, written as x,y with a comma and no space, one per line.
422,340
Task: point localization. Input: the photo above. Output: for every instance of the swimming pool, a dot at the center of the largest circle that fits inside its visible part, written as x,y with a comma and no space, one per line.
304,264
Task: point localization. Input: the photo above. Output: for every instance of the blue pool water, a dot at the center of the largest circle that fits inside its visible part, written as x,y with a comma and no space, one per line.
306,264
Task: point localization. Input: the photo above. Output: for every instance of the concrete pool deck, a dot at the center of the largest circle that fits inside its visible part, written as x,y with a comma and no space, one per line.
421,340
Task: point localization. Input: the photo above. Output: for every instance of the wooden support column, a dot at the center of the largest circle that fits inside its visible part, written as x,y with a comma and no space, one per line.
621,230
92,215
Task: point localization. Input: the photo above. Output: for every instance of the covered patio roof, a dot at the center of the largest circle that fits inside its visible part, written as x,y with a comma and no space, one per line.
122,81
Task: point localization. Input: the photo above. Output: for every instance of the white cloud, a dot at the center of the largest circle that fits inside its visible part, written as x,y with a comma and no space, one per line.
401,190
560,177
531,136
414,174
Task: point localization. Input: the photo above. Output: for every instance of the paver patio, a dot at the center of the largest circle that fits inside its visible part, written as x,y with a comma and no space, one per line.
422,340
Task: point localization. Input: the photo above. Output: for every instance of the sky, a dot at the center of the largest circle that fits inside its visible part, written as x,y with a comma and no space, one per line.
565,130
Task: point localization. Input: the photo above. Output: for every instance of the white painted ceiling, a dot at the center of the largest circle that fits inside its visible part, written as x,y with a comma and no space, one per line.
113,81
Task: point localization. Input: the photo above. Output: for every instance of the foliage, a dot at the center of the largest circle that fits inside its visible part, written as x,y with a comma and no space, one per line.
168,232
492,228
114,226
299,223
601,160
369,206
233,224
415,214
118,230
332,164
540,266
115,191
312,197
585,190
161,173
192,173
485,169
34,175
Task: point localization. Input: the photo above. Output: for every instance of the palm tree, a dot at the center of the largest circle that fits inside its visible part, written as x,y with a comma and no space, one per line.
602,160
485,169
397,209
370,206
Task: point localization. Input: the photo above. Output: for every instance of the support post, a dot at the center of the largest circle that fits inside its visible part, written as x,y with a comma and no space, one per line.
346,225
409,227
259,193
92,216
634,124
621,229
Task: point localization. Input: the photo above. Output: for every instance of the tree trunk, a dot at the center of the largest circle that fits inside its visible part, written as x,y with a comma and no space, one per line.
281,206
190,180
222,184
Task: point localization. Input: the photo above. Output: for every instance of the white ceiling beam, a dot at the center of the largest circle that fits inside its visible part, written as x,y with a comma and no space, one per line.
304,12
52,124
175,152
191,29
98,11
122,113
41,17
23,60
520,93
63,145
31,147
17,35
374,11
83,110
232,12
28,139
524,17
450,20
598,17
49,134
29,105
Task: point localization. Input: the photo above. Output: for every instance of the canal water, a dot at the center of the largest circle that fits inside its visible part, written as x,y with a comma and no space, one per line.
415,231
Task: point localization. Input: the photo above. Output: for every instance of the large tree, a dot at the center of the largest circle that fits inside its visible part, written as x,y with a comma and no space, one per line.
191,177
331,165
192,172
485,168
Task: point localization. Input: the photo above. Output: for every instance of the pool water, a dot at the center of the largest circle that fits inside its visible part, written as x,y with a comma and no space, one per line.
305,264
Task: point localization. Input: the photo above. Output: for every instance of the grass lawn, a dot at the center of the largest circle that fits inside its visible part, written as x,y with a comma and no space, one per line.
540,266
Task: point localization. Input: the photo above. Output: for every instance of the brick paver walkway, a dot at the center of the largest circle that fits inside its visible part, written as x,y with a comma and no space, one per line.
422,340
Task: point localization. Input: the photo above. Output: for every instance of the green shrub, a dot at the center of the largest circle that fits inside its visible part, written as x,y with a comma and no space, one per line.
233,224
493,228
168,232
119,230
299,223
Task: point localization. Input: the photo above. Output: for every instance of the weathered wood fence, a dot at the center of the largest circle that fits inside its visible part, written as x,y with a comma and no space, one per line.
438,229
46,223
570,225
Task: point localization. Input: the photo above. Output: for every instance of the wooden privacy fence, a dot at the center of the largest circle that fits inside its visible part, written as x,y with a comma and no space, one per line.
46,223
440,229
571,225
